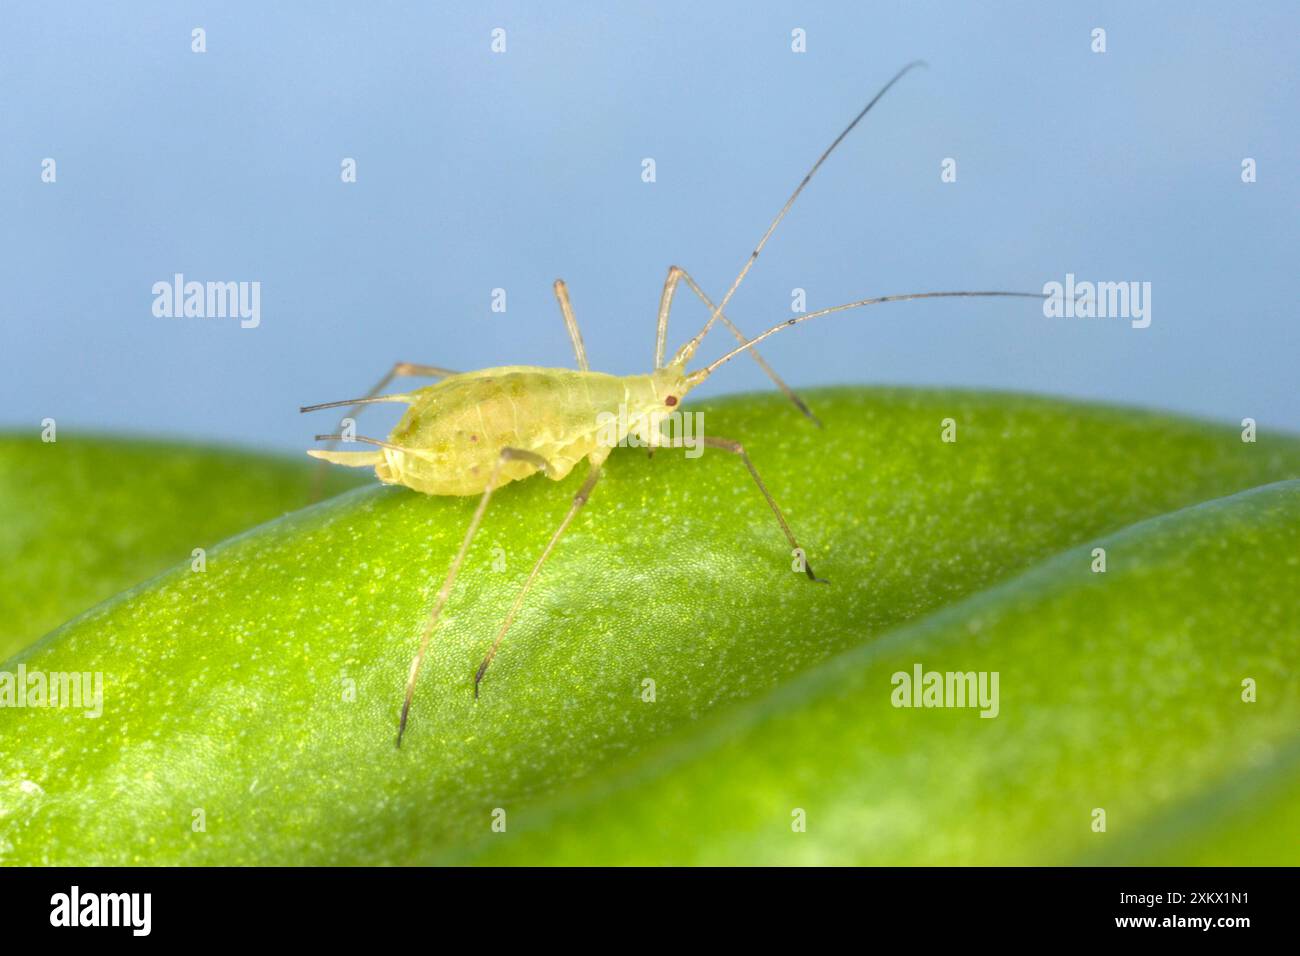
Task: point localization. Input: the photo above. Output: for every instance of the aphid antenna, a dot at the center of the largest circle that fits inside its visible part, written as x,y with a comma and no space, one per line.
687,350
699,375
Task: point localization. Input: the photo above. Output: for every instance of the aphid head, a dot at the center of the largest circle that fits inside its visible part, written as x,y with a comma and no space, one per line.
671,384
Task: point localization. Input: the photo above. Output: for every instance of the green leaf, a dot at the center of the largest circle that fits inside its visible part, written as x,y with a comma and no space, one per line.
1251,819
1118,692
85,517
261,696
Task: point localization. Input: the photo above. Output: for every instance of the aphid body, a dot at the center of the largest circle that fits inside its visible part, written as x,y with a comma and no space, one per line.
449,439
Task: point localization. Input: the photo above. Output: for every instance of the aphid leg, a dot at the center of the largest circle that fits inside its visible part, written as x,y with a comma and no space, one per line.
594,460
399,369
675,273
507,454
571,323
736,448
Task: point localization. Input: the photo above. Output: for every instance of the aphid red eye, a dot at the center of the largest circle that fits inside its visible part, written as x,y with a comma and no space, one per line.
670,400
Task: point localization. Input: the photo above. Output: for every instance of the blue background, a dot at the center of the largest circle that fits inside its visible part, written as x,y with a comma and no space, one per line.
478,171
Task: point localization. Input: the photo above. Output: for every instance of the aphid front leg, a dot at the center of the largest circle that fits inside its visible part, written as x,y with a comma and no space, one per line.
675,274
736,448
571,323
507,455
594,461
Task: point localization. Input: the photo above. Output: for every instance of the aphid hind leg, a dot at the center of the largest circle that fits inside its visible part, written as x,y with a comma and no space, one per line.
594,460
736,448
676,273
399,370
571,323
507,455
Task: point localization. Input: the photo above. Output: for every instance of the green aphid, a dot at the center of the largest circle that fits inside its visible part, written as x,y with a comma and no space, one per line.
472,432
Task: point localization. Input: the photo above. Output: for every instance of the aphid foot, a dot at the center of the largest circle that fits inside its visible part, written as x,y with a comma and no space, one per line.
401,728
807,569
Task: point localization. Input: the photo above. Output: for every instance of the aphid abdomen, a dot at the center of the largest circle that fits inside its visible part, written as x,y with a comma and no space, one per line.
461,424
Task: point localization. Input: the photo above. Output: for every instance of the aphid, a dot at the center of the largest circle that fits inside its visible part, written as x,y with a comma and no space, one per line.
472,432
